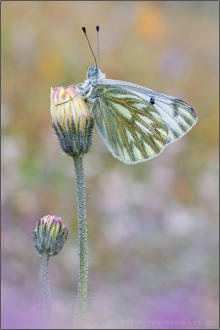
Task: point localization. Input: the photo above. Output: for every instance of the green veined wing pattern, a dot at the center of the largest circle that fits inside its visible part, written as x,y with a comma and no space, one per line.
177,114
132,129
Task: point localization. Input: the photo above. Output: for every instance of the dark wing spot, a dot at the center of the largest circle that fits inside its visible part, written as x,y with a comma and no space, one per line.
152,100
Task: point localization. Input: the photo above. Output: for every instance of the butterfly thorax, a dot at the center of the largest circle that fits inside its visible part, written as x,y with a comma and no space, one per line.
94,77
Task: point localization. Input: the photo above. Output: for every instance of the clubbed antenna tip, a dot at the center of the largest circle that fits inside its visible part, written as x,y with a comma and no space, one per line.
84,29
97,28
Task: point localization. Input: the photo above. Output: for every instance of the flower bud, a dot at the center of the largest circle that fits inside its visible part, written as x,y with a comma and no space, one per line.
50,234
72,120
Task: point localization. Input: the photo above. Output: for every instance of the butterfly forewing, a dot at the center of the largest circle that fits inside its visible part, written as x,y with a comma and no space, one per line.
178,115
132,128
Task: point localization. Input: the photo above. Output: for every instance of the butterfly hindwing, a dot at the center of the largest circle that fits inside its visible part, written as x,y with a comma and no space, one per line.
132,129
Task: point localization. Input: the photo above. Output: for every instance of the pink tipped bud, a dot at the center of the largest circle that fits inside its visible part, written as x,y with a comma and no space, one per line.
50,234
72,120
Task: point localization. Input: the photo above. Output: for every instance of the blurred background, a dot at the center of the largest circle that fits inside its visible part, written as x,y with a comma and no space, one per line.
153,227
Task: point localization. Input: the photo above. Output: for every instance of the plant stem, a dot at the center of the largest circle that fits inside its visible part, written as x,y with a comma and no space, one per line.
44,261
83,243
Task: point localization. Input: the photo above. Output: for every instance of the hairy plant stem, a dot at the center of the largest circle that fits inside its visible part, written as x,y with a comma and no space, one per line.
83,243
44,262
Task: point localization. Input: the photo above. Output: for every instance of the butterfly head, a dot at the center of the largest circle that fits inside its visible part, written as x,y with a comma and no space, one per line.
94,74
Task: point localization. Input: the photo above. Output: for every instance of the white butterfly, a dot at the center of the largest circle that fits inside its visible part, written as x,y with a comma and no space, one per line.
136,123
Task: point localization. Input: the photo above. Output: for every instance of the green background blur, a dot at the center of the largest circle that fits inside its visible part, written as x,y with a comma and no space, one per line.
152,227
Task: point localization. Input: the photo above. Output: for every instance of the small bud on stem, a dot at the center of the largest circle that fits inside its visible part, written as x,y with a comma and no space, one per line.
50,234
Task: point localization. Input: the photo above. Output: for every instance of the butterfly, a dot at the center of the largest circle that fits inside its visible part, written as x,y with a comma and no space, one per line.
135,122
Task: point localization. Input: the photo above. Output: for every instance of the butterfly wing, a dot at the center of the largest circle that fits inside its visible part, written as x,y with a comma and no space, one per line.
178,115
132,129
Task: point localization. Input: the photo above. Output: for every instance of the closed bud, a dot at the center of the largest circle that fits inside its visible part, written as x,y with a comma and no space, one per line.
50,234
72,120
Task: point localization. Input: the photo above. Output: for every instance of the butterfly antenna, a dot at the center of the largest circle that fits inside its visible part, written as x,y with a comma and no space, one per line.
97,29
84,30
